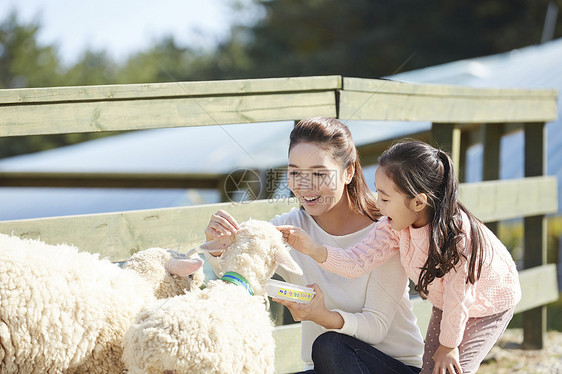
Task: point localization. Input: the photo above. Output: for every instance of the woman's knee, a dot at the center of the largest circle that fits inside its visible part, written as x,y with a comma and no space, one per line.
327,344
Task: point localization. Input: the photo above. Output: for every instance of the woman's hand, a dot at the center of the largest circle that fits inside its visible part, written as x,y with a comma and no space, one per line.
302,242
446,360
314,311
221,224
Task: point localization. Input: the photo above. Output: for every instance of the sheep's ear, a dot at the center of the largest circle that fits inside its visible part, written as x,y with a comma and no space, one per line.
284,259
183,267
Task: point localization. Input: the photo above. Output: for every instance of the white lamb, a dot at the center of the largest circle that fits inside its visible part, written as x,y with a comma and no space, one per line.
224,328
65,311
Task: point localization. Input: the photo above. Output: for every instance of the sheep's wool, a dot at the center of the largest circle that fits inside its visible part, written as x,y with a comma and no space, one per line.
192,334
221,329
64,311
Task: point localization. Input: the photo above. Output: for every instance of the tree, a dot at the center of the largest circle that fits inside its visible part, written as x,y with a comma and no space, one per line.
24,63
94,67
372,39
163,62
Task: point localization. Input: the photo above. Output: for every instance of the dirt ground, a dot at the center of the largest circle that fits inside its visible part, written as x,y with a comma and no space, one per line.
508,357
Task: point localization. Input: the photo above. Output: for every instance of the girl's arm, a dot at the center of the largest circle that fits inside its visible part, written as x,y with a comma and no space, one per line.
299,239
381,243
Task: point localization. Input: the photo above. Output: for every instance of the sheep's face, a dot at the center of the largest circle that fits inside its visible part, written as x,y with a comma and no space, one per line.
169,272
254,252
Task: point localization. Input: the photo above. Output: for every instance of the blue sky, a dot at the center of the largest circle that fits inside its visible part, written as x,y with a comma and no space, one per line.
122,27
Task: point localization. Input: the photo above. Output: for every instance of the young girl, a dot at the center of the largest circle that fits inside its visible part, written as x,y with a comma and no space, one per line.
370,320
458,264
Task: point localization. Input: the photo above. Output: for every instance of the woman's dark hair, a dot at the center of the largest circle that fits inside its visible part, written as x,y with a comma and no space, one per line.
335,138
416,167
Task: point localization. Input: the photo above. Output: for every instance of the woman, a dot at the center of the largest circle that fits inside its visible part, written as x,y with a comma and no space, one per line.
352,325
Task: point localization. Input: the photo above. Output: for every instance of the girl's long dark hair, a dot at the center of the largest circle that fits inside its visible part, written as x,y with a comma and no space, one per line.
335,138
416,167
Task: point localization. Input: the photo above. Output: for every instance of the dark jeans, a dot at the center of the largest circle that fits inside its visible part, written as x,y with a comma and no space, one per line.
338,353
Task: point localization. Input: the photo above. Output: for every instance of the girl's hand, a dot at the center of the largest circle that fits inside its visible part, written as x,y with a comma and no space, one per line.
446,360
302,242
314,311
221,224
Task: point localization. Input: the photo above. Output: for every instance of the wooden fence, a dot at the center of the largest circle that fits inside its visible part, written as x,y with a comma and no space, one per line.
460,116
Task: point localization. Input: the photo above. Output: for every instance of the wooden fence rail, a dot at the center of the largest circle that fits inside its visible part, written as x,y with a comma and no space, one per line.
118,235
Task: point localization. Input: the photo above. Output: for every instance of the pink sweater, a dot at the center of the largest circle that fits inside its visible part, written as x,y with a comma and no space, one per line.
496,291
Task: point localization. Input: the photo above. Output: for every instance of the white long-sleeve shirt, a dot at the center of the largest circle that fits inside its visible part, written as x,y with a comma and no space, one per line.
375,307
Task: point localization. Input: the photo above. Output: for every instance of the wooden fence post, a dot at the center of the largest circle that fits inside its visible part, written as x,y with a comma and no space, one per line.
491,136
465,144
534,237
447,136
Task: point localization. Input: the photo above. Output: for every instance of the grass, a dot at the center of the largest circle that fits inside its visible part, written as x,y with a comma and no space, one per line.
508,356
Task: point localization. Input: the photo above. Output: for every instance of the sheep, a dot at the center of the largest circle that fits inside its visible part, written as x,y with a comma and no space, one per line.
224,328
65,311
